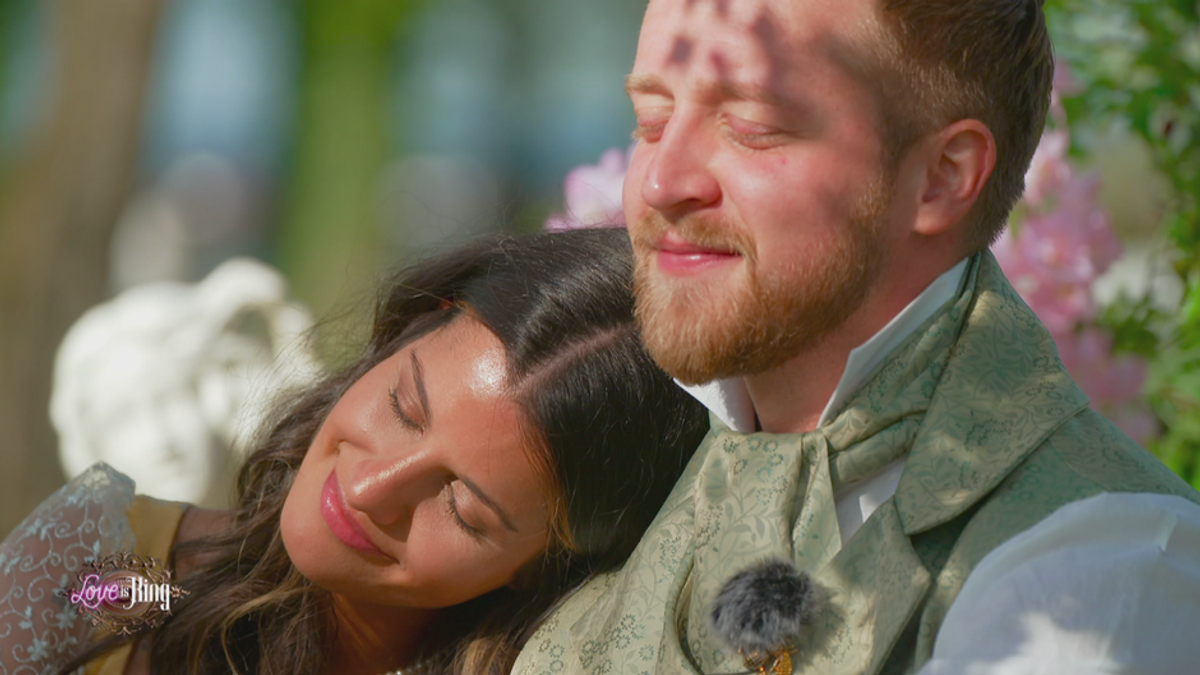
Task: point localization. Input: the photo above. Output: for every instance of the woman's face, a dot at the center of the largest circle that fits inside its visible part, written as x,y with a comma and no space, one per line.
418,489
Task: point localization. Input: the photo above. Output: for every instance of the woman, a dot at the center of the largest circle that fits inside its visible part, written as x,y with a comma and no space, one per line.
502,437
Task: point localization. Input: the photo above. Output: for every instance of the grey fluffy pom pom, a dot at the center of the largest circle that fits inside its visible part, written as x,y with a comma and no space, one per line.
763,609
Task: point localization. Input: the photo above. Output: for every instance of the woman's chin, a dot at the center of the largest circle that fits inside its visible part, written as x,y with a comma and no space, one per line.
335,568
312,549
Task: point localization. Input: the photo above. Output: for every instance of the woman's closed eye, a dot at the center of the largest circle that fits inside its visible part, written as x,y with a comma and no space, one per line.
398,410
452,509
410,404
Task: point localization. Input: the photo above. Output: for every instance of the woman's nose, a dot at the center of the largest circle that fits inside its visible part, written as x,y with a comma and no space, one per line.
388,488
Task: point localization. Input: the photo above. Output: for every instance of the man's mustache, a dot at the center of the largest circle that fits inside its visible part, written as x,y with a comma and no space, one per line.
705,232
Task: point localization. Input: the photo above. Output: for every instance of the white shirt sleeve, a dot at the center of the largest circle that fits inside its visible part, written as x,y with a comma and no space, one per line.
1110,584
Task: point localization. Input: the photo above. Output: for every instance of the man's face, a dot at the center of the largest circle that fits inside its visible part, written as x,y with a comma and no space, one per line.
756,198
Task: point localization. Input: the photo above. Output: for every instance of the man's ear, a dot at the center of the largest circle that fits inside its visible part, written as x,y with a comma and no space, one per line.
956,163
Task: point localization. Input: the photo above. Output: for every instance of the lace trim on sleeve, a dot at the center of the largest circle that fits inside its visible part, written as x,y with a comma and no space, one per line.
84,520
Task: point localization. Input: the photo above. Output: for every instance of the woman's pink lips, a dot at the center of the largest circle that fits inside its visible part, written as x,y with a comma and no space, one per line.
337,516
677,256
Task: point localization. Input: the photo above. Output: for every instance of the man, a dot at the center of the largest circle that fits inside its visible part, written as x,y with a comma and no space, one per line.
812,195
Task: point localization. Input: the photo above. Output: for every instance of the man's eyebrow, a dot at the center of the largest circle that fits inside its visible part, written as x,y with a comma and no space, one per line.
645,83
419,381
489,502
648,83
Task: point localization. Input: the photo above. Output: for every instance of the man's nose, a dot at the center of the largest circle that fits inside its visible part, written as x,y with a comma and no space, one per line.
678,179
388,488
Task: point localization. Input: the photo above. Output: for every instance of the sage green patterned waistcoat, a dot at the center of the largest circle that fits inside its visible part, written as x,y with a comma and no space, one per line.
997,437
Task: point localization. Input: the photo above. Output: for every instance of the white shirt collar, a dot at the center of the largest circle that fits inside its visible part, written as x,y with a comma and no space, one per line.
730,401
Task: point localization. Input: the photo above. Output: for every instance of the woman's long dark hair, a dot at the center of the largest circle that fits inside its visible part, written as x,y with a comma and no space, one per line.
611,429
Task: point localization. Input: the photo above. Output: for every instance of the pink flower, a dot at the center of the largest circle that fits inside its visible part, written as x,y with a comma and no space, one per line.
1049,170
1056,255
1075,239
1060,305
1064,243
593,194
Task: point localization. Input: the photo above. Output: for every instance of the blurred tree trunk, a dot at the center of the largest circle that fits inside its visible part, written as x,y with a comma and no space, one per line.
62,203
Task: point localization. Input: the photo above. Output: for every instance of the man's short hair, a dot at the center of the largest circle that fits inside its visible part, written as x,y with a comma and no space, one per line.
947,60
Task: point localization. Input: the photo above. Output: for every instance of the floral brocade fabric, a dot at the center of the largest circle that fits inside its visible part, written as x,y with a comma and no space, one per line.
83,520
996,436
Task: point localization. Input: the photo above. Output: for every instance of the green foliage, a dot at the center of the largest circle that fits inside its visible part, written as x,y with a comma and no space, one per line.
1175,383
8,13
1137,326
328,239
354,24
1138,62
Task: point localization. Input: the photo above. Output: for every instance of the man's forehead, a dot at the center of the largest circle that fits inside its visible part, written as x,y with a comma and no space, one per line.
798,19
748,38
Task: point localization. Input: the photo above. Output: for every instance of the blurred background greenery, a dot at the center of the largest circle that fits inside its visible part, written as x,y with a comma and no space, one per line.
1135,116
146,140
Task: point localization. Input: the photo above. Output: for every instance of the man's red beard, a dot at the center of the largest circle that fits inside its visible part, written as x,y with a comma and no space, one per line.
753,320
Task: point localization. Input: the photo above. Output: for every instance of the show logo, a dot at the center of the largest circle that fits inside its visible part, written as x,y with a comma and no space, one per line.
124,593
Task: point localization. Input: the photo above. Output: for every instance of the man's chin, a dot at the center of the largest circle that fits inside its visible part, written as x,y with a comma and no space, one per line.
692,331
692,363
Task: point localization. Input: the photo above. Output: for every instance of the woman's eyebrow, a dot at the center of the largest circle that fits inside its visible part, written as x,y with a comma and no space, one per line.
489,502
419,382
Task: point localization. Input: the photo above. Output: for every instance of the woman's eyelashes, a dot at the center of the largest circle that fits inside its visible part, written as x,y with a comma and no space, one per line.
456,515
398,410
409,402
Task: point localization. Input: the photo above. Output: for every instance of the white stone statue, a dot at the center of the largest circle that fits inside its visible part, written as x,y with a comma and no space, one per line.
169,381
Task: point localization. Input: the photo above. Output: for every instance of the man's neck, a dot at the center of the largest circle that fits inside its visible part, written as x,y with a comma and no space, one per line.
793,397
